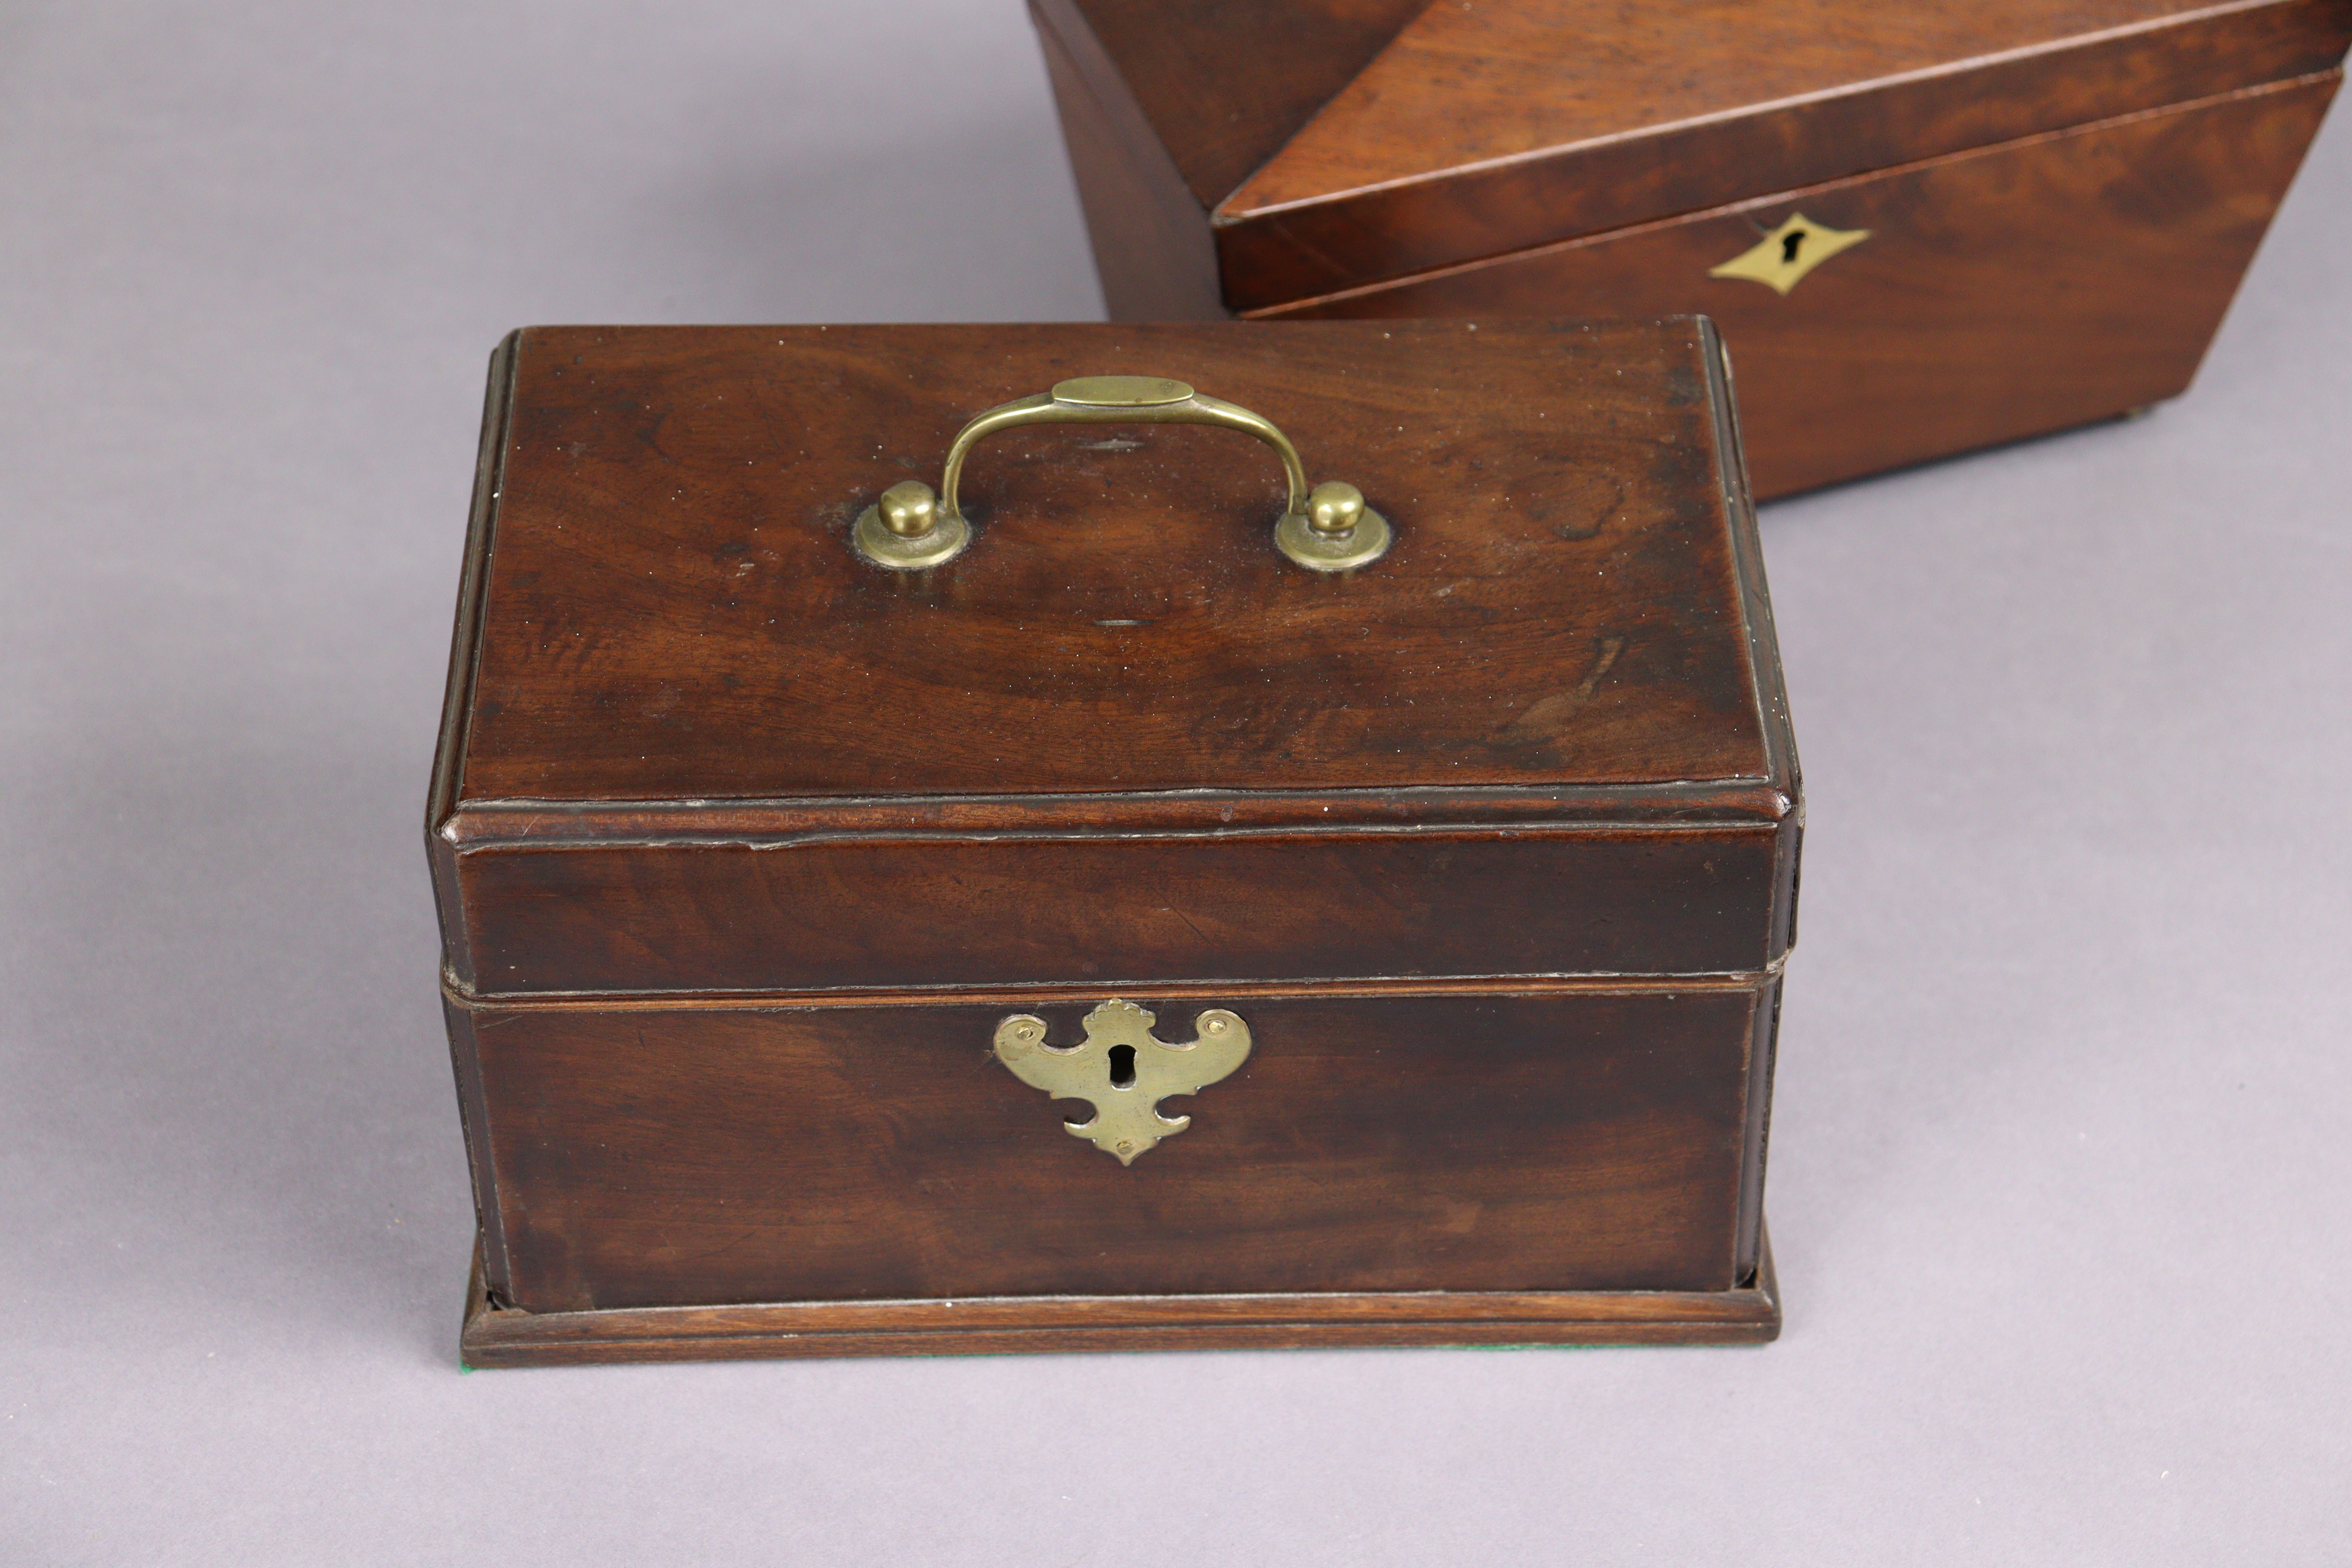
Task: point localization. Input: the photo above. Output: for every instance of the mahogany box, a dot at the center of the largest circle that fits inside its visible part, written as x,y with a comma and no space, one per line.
1922,227
947,841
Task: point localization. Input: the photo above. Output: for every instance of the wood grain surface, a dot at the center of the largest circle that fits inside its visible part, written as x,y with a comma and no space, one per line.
699,745
1150,232
494,1336
745,846
2002,293
1070,908
1576,1139
1492,127
1473,84
2039,260
1223,84
673,610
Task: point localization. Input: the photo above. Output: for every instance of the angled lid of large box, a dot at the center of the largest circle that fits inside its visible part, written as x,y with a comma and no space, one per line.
1471,128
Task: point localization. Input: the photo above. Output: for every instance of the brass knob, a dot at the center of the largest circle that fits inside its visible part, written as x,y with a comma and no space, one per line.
907,532
1334,507
1334,531
909,508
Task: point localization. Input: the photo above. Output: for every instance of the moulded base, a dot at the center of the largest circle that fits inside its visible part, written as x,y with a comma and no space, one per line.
497,1336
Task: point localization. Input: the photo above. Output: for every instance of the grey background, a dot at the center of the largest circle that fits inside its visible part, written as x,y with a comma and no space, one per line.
2059,1167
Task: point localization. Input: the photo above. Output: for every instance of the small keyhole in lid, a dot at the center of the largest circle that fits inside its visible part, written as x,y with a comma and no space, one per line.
1789,244
1122,1067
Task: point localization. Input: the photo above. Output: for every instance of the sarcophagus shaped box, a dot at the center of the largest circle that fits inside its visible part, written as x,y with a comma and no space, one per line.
1922,228
971,838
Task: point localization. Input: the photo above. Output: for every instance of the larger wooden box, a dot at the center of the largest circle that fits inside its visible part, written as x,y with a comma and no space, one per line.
1922,228
761,865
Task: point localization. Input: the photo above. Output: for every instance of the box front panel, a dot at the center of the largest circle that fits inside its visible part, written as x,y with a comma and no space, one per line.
1994,295
1569,1140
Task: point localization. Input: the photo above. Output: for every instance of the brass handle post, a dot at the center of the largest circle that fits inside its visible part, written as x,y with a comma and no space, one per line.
1327,529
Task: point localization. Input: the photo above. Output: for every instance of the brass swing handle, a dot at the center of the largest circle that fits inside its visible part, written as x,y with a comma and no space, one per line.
1327,529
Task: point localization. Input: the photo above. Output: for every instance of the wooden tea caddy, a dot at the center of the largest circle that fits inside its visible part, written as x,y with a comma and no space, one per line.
1922,228
858,737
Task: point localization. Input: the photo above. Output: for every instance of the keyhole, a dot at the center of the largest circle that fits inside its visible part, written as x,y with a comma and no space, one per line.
1122,1067
1789,244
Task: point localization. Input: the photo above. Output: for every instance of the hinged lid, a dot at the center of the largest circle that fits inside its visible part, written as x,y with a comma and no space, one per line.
1345,141
675,640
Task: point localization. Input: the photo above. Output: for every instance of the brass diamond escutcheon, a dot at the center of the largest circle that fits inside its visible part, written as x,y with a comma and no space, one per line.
1782,258
1122,1071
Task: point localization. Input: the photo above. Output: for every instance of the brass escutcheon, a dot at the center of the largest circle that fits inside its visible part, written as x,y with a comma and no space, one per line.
1327,529
1125,1088
1781,259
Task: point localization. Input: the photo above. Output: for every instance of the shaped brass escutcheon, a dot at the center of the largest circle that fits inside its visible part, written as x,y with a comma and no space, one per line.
1125,1089
1781,259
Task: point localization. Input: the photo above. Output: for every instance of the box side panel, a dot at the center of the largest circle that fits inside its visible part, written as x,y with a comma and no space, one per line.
1763,1053
1767,682
884,913
1753,1260
464,652
1225,83
1151,236
473,1119
1764,645
1591,1140
1997,295
1278,244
